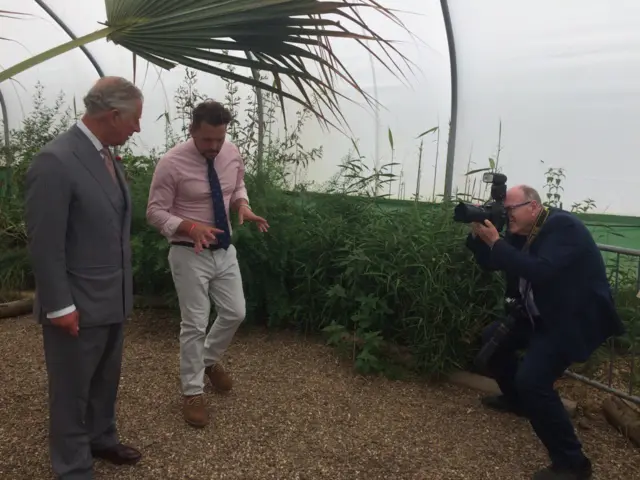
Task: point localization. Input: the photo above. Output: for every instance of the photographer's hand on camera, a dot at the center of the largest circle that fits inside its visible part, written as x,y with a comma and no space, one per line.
487,232
559,309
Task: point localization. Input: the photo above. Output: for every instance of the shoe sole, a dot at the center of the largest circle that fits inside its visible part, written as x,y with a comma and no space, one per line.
499,409
117,462
509,412
196,424
221,390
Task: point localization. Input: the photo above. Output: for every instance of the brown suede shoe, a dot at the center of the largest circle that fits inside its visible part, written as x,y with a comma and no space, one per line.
195,410
220,380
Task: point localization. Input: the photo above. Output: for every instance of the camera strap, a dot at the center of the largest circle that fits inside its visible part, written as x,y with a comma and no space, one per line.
542,217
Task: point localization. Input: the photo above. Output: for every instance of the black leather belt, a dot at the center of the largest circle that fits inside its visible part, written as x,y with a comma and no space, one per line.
213,246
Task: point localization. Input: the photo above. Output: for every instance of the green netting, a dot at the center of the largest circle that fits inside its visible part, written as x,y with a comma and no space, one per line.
610,233
618,230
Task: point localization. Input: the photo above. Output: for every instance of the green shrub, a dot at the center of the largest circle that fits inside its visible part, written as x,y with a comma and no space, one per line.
385,281
351,266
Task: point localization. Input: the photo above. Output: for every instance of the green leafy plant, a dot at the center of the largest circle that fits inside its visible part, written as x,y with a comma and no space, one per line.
388,282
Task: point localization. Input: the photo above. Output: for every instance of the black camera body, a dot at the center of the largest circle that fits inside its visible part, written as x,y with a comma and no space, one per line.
514,311
493,211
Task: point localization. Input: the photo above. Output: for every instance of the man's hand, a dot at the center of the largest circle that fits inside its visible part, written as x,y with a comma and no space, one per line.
487,232
245,213
68,322
203,236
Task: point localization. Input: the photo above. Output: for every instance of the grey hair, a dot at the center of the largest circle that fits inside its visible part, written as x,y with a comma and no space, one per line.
110,93
531,194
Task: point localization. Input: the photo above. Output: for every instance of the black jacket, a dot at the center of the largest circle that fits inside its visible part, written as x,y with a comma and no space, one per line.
568,279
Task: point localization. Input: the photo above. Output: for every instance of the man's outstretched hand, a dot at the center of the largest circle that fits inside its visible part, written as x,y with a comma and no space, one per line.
245,213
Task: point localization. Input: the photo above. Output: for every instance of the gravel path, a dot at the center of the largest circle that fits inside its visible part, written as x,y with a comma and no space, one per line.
296,413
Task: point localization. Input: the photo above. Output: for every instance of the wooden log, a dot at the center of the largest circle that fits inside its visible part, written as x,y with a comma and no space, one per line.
24,304
624,416
16,308
490,387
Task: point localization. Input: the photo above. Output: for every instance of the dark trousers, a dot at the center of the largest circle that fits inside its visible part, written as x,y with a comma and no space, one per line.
84,375
529,383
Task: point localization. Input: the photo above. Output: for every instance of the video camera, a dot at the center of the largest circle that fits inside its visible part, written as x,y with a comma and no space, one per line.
493,211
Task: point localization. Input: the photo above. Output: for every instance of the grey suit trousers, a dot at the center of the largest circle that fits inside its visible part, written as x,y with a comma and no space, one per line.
84,376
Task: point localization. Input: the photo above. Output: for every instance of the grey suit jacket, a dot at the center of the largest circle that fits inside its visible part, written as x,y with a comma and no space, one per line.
78,224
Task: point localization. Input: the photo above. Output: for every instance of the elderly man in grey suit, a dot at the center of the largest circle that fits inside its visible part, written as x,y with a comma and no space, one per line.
78,216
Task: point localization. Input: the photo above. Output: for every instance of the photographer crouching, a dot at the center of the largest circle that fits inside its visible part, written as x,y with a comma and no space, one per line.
559,308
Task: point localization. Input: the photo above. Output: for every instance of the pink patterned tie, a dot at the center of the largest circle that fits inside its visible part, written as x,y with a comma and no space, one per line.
106,155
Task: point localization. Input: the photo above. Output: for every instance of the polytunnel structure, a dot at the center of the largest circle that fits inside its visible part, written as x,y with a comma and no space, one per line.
550,89
316,205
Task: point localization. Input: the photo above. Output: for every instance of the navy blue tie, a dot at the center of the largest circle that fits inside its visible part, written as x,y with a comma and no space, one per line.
220,215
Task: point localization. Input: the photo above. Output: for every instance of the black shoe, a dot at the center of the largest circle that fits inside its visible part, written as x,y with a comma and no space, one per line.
500,403
583,472
118,454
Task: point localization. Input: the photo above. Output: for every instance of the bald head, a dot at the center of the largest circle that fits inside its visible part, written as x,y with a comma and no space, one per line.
523,205
112,93
526,193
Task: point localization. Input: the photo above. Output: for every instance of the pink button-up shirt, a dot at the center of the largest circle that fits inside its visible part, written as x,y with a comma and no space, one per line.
180,187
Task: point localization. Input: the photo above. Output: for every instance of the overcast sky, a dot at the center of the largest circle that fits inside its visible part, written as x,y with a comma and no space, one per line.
563,77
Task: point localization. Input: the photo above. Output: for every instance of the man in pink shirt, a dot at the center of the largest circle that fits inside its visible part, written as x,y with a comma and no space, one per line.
193,187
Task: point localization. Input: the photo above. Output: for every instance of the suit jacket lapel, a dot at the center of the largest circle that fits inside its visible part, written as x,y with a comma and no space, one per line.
92,160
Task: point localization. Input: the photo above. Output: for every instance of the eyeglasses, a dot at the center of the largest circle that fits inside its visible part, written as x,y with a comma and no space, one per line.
511,208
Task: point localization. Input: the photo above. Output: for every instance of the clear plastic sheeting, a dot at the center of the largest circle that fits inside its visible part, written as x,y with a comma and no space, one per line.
561,77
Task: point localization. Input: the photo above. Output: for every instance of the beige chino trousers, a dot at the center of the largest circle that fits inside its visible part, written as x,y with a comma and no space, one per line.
200,278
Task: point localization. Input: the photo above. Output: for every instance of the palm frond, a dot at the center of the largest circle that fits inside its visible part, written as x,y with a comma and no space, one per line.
12,15
284,38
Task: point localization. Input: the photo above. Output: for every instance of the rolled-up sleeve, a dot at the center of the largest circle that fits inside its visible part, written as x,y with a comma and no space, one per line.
240,192
161,196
